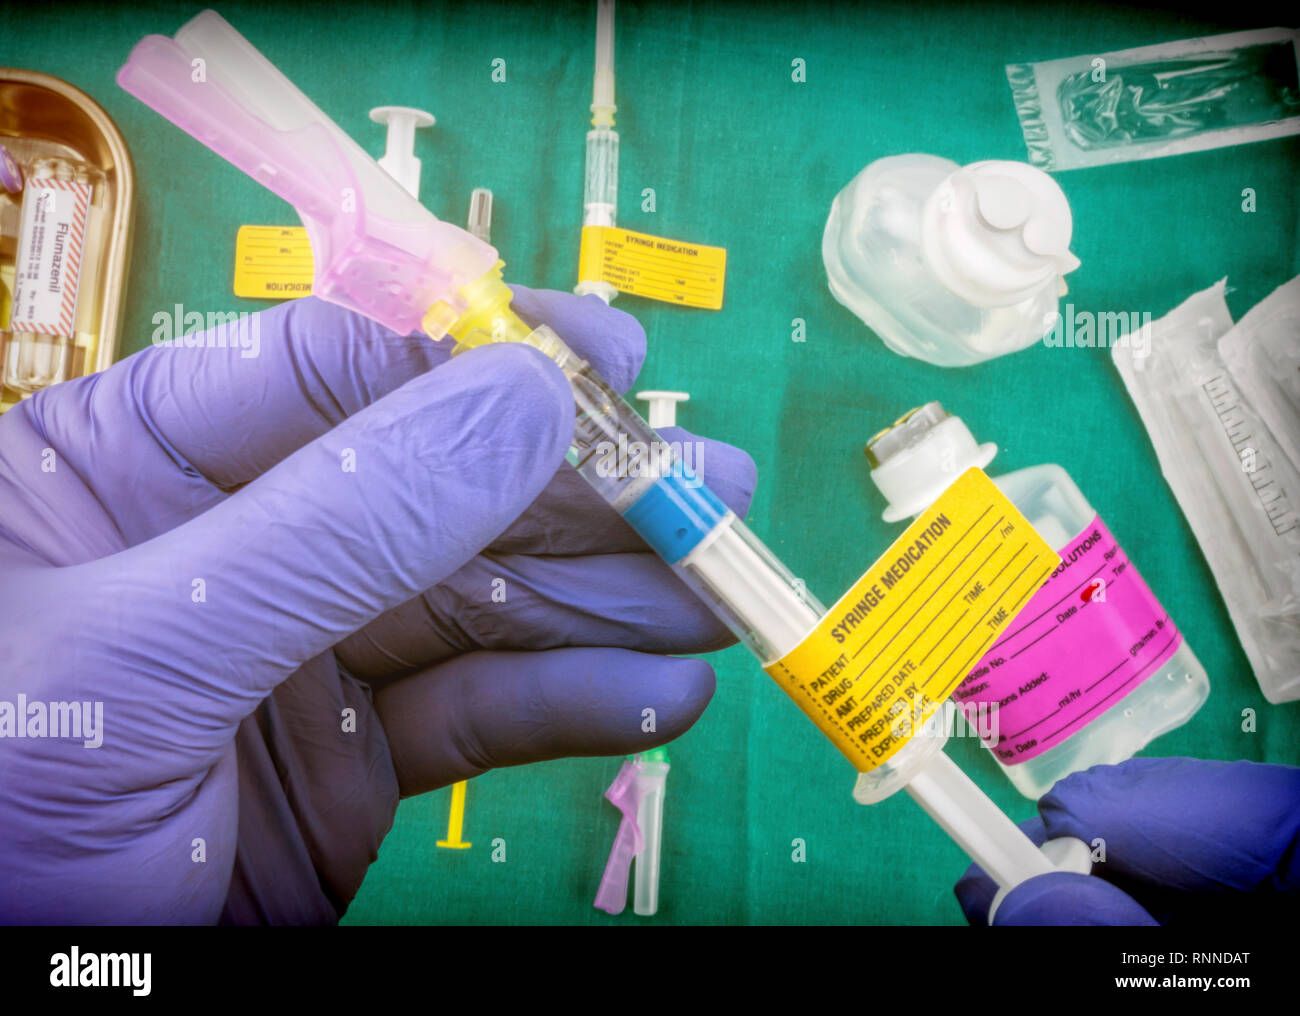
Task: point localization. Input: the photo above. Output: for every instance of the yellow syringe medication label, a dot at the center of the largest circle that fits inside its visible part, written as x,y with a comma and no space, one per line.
273,262
901,640
687,274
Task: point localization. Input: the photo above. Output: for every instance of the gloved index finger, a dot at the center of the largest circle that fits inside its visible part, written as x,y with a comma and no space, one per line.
232,401
225,405
314,364
283,377
1185,825
611,339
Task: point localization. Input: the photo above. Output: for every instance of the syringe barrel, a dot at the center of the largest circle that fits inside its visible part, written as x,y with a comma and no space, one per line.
646,480
600,188
750,590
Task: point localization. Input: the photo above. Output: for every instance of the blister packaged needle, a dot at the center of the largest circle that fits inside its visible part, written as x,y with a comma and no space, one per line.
1146,103
1231,475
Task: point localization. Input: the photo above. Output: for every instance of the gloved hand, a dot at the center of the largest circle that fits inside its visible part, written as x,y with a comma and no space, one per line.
1186,842
242,564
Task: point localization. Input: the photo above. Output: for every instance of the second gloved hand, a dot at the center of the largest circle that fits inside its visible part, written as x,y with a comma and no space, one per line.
1184,842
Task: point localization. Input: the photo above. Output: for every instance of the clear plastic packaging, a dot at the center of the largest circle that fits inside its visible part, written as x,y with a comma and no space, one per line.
1228,471
1262,353
1153,101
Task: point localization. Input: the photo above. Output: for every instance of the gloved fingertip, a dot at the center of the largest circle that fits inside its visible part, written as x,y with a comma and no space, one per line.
516,708
737,482
687,690
611,339
658,700
1067,898
730,472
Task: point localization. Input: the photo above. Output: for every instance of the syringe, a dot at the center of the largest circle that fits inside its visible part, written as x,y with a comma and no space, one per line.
740,579
600,183
378,252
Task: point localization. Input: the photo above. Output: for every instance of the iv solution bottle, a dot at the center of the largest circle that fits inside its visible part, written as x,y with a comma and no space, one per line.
950,264
1092,669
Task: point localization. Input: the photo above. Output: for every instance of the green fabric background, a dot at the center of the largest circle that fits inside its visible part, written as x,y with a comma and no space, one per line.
741,156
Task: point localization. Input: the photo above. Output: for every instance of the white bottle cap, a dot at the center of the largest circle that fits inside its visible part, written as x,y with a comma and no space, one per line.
916,459
663,407
994,232
399,146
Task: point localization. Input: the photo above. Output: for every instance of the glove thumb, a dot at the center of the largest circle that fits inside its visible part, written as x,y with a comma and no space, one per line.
221,609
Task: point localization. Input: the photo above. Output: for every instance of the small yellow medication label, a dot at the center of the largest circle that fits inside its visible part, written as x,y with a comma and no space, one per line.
273,262
901,640
639,264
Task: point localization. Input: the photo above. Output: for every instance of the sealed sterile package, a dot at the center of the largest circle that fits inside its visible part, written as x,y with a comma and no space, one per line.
1263,355
1233,481
1152,101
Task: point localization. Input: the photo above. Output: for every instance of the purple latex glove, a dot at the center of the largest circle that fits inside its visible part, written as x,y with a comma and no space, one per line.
276,575
1187,842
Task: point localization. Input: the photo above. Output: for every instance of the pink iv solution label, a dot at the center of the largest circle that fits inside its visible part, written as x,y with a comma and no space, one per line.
1090,636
